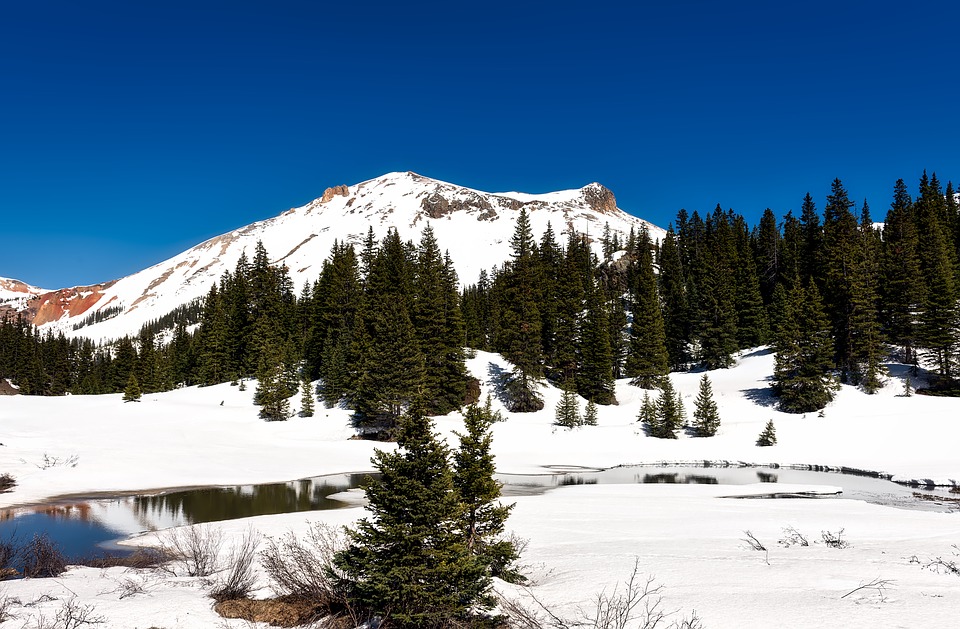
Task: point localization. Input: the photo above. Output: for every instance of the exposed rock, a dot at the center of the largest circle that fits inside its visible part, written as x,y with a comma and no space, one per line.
600,199
70,302
438,206
329,193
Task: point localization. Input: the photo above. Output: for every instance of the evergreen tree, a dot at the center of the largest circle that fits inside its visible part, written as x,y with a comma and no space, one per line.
669,413
901,291
408,562
520,333
706,418
866,348
595,373
646,363
767,249
272,393
676,311
811,243
769,435
590,414
803,346
484,517
568,408
648,413
306,395
132,391
840,237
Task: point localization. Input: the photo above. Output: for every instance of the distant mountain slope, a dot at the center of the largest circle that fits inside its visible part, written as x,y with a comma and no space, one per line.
474,226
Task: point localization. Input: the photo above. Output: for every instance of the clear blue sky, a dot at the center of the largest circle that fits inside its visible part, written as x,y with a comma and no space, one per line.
133,130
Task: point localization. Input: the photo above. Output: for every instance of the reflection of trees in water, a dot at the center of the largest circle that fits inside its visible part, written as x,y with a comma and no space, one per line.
225,503
766,477
679,479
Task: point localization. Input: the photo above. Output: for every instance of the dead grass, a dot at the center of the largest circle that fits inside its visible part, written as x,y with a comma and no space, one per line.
287,611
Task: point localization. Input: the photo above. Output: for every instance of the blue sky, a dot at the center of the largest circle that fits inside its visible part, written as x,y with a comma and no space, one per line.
134,130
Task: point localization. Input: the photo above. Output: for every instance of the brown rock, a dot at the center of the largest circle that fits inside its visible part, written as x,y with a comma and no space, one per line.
600,198
329,193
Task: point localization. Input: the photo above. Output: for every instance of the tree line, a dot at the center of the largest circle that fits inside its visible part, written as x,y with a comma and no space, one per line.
387,322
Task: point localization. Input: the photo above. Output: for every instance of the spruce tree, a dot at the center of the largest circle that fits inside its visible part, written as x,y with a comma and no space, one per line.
901,290
590,414
568,408
132,391
408,562
676,311
648,413
646,362
718,295
272,393
803,346
595,373
706,418
669,412
866,348
306,396
769,435
840,237
483,517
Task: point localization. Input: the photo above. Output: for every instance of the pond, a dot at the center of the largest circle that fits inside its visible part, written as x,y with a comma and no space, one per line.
85,527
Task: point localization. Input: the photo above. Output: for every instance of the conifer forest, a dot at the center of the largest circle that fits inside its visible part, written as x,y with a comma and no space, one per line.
388,324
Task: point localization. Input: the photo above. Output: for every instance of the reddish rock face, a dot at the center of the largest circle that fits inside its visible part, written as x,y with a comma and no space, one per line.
53,305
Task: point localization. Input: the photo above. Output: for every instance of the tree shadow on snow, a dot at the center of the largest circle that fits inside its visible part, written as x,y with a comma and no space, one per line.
761,396
498,378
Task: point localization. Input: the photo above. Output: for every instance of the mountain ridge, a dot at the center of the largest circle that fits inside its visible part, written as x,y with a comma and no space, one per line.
475,227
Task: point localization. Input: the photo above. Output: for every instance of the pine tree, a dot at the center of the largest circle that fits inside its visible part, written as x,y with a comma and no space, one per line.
769,435
901,291
520,332
840,237
568,408
706,418
866,348
718,314
648,413
803,347
595,373
676,311
132,391
669,413
590,414
272,393
484,517
306,396
647,359
408,562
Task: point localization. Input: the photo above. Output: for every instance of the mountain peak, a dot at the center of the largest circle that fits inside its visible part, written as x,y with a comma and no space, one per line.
475,226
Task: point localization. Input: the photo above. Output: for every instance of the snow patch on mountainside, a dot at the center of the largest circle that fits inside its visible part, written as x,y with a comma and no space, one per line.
474,226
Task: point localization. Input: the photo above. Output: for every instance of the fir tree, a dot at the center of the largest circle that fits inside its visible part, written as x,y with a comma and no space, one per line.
272,393
900,290
568,408
647,359
648,413
706,418
594,373
590,414
669,413
866,348
132,391
803,346
408,562
306,396
483,517
769,435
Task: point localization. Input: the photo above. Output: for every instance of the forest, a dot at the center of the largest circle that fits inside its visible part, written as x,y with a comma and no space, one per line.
388,324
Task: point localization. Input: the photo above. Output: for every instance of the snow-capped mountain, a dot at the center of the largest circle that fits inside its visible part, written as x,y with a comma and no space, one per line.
474,226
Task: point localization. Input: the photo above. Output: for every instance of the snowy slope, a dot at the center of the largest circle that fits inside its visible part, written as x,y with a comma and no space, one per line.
474,226
14,294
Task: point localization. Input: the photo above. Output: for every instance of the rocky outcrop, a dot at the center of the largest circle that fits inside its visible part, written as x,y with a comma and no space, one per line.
329,193
435,205
600,199
72,302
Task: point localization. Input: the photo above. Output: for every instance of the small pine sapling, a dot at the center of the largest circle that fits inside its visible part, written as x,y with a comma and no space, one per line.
769,435
306,391
648,412
706,418
132,391
590,414
568,408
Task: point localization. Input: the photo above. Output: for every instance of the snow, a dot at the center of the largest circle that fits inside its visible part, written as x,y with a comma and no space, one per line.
477,237
582,539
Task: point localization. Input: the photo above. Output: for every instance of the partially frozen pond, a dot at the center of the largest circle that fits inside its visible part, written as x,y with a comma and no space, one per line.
90,525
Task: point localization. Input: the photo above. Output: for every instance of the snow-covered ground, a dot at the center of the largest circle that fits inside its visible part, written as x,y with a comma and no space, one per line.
583,539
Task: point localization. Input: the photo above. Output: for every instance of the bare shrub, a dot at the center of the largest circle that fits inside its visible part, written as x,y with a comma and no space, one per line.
834,540
194,550
41,557
304,567
793,537
71,615
944,566
238,579
56,461
6,608
753,542
878,585
636,603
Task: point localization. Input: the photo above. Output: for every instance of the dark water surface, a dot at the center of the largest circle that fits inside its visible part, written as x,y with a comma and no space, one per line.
87,527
